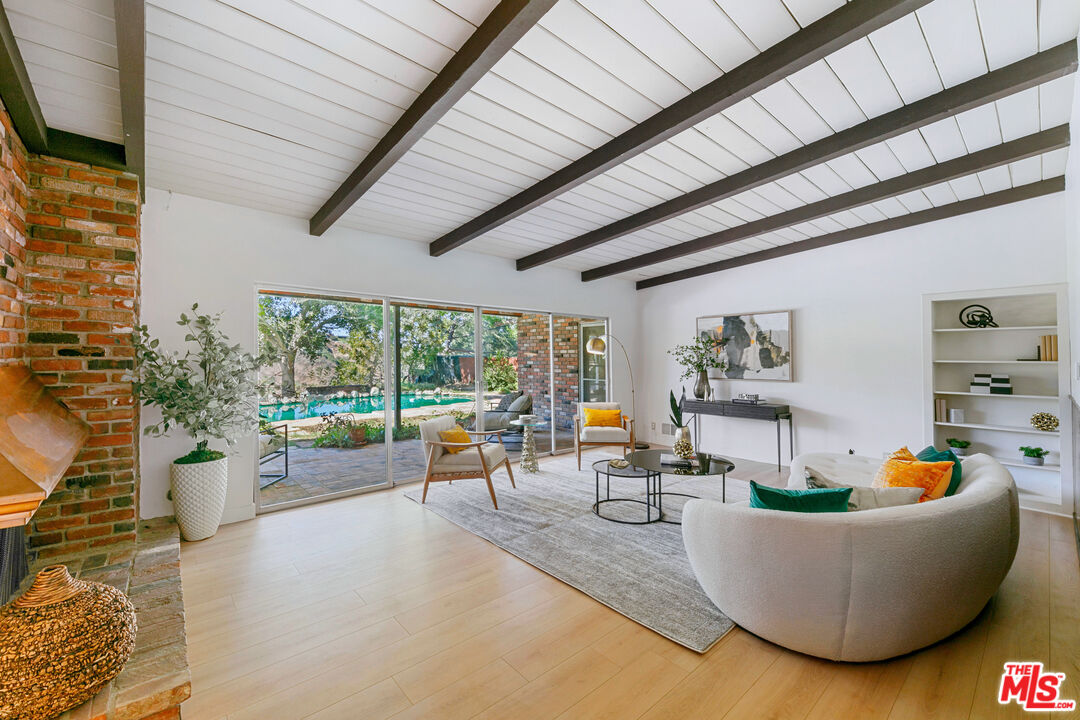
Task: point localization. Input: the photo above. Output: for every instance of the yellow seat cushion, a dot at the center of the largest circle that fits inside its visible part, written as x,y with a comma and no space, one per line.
457,434
596,417
903,469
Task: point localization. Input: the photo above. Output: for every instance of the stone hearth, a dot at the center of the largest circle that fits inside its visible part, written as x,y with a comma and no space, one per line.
156,678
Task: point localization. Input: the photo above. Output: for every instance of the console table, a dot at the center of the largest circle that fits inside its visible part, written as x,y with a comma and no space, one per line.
726,408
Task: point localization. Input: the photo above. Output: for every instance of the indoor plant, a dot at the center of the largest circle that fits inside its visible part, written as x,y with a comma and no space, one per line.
1034,455
210,392
682,447
958,447
697,358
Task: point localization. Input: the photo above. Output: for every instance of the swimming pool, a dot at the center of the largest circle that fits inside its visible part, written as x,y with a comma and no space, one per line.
275,412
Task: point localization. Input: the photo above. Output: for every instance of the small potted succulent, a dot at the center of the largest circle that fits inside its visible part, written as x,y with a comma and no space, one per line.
958,447
210,392
683,447
697,358
1034,455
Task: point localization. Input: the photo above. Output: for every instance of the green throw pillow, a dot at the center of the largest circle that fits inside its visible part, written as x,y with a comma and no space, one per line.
807,501
932,454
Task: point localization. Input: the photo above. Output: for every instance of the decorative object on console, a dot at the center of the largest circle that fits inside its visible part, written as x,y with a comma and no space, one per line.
956,416
697,358
683,447
211,394
598,346
1034,455
977,316
958,447
60,643
756,346
747,399
1044,421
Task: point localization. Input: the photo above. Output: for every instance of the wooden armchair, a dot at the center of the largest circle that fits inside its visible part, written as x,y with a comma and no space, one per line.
585,436
476,460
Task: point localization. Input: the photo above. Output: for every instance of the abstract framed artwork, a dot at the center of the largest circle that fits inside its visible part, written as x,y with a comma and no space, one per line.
758,345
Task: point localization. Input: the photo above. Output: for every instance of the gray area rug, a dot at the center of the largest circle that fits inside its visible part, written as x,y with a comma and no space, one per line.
640,571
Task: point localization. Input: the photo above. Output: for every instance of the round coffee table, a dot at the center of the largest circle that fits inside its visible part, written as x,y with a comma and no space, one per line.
652,481
704,464
529,462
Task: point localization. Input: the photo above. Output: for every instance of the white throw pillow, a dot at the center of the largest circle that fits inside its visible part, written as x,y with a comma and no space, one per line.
866,498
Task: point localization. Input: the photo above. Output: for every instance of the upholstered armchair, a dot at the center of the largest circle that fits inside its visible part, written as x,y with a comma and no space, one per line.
475,460
586,435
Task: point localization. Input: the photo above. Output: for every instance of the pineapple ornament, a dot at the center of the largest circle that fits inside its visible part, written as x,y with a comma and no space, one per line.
682,447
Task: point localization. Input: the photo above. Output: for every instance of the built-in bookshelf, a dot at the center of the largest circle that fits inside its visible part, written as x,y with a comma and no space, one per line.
998,424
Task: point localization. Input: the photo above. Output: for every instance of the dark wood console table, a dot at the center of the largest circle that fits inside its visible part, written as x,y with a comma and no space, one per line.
726,408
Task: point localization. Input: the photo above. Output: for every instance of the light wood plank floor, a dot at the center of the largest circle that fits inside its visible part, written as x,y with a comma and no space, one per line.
371,607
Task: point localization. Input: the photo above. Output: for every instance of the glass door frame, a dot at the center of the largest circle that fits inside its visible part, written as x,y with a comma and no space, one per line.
389,376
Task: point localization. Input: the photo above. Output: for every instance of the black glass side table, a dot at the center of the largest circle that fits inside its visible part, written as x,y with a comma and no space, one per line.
653,512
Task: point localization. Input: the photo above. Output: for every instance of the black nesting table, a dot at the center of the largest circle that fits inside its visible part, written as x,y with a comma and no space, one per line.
646,465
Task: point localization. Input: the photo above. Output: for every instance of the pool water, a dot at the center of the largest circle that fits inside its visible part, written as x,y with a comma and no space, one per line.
275,412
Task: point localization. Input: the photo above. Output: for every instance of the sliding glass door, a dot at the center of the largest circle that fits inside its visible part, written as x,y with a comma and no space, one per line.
346,382
321,411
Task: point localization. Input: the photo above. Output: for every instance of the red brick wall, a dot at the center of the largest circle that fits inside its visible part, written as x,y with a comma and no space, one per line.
534,365
533,362
13,199
81,294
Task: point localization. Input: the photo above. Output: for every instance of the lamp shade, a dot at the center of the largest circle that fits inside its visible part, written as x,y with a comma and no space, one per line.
596,346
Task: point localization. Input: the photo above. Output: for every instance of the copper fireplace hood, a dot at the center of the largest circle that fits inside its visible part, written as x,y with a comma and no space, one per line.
39,438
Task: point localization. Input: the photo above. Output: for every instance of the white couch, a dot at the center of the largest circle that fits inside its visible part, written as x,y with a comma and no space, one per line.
858,586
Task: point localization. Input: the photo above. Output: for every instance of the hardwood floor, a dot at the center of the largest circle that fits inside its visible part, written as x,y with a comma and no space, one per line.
371,607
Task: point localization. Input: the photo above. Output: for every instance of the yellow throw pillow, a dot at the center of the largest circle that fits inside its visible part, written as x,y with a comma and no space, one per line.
457,434
903,469
596,417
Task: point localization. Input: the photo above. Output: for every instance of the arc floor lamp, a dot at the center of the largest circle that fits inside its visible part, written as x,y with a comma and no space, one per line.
598,346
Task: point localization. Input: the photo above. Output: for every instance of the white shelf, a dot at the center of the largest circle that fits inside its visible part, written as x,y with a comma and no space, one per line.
1048,363
998,395
997,329
1000,428
1022,464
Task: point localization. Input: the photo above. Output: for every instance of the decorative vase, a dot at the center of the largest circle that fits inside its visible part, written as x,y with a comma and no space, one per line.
683,447
1033,460
198,495
60,643
358,435
701,387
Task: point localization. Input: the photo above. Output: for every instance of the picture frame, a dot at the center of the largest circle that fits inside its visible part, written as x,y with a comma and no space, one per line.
758,347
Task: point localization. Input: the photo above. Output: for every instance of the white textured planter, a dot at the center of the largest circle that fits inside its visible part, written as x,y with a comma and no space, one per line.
198,495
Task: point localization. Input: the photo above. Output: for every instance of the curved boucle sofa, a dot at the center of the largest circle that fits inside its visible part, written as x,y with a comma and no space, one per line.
858,586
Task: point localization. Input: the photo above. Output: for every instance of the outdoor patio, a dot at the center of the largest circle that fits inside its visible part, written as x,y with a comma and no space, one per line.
314,472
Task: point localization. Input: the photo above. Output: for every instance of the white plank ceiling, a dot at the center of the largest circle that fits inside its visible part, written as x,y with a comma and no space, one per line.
271,103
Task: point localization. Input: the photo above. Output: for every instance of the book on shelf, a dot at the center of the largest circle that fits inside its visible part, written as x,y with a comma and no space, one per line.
940,410
1048,348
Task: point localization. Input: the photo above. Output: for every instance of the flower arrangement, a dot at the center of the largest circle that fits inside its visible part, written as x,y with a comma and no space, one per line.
700,355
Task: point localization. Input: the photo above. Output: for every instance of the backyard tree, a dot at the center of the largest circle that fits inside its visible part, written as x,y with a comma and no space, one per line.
289,327
360,355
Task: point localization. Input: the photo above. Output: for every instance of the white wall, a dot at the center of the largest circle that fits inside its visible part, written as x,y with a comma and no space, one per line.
217,254
858,328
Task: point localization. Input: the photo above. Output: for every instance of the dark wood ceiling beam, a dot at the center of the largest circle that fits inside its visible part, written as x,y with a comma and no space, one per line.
963,207
17,92
850,22
131,56
1030,72
1024,147
92,151
502,28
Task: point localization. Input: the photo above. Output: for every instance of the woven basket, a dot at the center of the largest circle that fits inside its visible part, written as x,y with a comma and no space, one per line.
60,643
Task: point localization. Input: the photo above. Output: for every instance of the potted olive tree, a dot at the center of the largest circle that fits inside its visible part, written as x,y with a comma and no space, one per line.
210,392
